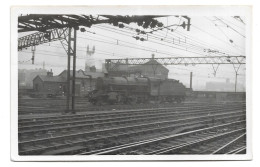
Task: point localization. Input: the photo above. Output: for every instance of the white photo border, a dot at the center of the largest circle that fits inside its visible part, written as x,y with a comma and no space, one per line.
123,10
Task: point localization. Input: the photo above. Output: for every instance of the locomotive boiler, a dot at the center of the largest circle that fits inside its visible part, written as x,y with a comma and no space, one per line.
131,90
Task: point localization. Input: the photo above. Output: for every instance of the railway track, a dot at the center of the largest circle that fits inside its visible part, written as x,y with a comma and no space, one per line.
50,106
29,121
84,123
37,119
177,143
235,146
115,135
95,132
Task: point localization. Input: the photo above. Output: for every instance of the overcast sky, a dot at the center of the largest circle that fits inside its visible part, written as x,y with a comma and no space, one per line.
223,34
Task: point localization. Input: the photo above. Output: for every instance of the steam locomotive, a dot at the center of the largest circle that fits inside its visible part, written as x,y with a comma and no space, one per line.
131,90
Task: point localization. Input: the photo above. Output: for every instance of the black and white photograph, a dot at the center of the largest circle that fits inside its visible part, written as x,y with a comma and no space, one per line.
130,83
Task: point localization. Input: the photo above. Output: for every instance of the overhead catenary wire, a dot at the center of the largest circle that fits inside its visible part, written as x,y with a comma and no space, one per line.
214,36
132,28
155,35
230,22
123,41
104,54
206,44
187,45
113,43
178,48
169,46
141,48
228,26
129,35
126,33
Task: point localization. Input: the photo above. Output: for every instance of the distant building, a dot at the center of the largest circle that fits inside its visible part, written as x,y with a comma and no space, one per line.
223,86
149,69
152,69
25,77
49,84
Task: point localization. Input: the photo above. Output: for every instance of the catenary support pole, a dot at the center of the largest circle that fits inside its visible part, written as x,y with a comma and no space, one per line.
236,83
236,73
72,41
68,72
74,71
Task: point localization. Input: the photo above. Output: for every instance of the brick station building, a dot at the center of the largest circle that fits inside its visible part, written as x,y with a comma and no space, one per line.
57,85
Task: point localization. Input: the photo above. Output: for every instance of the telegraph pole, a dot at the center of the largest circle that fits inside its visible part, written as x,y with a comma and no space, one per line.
236,82
190,80
127,68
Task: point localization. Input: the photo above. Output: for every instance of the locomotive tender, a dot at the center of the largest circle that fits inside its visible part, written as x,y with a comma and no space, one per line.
131,90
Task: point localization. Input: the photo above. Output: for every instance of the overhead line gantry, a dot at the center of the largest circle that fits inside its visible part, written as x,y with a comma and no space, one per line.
113,65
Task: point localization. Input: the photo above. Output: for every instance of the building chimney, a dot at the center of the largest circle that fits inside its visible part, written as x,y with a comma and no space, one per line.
152,56
50,73
93,69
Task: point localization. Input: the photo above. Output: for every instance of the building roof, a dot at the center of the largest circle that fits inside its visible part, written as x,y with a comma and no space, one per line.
62,77
150,62
124,67
82,74
46,78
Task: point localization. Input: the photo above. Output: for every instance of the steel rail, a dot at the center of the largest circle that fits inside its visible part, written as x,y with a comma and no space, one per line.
221,149
57,111
159,139
124,146
240,150
50,109
142,123
189,144
102,138
85,119
115,123
114,113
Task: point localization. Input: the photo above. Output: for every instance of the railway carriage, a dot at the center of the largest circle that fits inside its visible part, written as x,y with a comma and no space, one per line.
131,90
